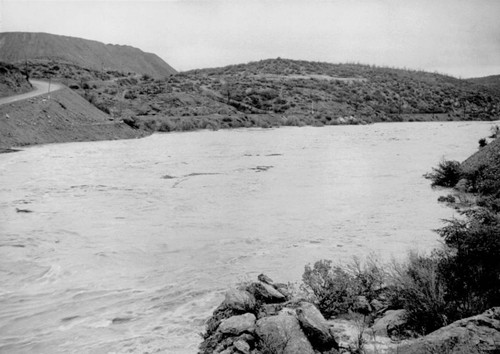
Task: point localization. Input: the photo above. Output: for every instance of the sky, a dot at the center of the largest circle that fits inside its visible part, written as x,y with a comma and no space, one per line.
455,37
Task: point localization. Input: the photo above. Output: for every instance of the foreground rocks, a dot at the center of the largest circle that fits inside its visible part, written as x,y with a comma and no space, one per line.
477,334
262,318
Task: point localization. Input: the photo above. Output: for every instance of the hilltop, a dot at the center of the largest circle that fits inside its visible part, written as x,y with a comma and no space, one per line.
17,47
332,90
492,82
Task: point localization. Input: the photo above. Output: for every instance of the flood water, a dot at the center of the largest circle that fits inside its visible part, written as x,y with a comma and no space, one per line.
130,244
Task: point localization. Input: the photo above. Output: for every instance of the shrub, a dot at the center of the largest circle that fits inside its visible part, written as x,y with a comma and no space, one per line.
482,142
471,270
418,287
447,199
332,286
447,174
335,289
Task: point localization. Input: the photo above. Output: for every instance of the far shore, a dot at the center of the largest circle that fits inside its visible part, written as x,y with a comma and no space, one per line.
407,118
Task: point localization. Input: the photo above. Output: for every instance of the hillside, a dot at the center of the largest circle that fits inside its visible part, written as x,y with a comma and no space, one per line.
486,156
328,91
65,117
12,80
276,92
492,82
17,47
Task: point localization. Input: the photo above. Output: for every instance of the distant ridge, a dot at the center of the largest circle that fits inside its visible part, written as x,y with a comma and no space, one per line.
492,82
19,46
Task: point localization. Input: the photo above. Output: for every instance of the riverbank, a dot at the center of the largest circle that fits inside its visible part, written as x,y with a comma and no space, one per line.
370,307
63,116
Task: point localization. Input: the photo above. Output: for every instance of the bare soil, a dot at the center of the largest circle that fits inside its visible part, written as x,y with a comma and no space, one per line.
64,117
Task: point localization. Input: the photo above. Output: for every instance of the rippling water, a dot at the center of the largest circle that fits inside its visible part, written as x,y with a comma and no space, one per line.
130,244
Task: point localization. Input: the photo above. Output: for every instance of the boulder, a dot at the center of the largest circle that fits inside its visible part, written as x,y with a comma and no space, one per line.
391,324
477,334
315,327
265,279
283,288
242,346
240,300
282,334
237,325
266,293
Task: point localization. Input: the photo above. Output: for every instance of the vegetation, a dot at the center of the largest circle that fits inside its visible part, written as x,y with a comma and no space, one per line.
446,174
277,92
336,289
456,281
12,80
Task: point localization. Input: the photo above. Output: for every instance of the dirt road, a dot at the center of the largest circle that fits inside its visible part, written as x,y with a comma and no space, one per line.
40,88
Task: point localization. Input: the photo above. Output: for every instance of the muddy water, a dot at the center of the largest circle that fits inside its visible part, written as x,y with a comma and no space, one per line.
130,244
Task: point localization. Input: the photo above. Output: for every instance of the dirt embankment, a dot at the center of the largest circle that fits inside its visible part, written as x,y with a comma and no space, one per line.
487,156
64,117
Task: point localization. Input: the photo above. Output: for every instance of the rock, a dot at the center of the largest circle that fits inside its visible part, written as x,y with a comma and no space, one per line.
282,334
266,310
265,279
247,338
390,324
242,346
222,312
266,293
283,288
315,327
237,325
240,300
477,334
362,305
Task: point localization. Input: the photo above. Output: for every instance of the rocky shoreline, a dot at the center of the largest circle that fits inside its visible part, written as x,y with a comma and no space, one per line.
265,317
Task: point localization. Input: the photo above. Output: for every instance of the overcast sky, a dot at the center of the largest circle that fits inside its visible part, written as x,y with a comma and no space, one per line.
457,37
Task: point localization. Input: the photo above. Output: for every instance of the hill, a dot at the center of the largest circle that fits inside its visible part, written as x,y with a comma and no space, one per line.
276,92
328,91
17,47
492,82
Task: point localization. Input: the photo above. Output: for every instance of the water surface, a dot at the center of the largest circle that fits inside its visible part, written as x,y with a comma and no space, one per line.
130,244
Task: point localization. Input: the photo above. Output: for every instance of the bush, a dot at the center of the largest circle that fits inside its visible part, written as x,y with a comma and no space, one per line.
447,174
335,289
418,287
472,269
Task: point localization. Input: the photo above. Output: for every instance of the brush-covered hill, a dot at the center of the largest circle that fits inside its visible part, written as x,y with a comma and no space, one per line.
334,90
277,92
492,82
17,47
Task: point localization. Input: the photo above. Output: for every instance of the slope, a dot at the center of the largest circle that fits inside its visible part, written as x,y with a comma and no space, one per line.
22,46
65,117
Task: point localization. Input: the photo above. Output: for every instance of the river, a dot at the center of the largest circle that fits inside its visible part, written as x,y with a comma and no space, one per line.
130,244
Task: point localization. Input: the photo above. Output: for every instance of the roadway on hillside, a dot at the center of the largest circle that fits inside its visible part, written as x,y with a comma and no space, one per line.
40,88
